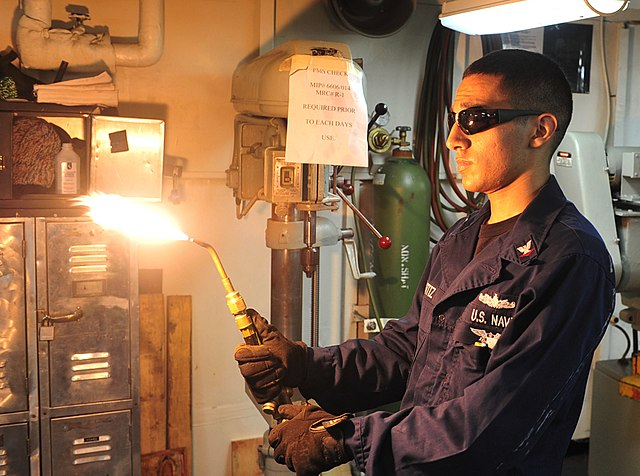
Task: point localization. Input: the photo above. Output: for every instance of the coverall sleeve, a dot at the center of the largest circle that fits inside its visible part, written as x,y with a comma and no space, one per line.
362,374
531,373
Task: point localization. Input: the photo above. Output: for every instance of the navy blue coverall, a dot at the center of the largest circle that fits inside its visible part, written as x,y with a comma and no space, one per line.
491,361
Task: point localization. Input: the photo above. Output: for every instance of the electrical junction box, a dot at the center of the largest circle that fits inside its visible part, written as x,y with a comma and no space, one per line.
127,156
260,171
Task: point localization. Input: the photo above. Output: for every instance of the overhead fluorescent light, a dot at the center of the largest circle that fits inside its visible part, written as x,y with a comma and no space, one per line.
485,17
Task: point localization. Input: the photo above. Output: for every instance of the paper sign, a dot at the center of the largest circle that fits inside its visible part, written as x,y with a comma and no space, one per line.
327,117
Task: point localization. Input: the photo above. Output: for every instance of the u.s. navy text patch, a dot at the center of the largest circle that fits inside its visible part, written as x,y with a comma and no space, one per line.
488,315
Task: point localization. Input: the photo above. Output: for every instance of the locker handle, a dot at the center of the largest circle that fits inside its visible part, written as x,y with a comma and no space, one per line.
58,317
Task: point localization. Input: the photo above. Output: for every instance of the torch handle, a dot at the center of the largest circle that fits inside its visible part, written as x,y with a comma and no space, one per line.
248,329
252,337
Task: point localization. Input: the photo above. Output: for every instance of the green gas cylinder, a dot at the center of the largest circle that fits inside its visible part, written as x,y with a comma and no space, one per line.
401,210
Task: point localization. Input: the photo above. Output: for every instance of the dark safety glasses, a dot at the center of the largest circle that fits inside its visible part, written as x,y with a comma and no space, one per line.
472,121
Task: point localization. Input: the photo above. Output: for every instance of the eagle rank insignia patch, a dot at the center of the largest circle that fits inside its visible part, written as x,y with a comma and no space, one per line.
487,339
527,251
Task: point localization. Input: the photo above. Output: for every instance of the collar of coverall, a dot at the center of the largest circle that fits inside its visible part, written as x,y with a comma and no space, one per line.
531,229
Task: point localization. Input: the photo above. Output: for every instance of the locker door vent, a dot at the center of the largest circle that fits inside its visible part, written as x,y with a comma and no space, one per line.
4,462
88,258
94,366
92,449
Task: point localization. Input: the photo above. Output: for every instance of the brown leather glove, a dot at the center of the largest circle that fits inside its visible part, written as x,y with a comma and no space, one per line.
309,440
277,363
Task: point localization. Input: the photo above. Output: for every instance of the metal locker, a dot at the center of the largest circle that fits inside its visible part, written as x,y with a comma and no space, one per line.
87,283
88,353
19,429
69,352
92,445
13,341
14,455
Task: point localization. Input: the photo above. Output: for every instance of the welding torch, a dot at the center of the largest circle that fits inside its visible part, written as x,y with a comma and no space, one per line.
245,324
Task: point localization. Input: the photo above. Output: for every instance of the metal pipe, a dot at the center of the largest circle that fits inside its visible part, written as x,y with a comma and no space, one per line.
315,305
286,292
235,302
286,282
42,47
226,282
150,45
310,266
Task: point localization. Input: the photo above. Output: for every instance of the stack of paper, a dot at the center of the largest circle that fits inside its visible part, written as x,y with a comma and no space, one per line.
98,90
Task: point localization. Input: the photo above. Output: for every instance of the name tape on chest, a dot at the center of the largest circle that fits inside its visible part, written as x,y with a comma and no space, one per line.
429,290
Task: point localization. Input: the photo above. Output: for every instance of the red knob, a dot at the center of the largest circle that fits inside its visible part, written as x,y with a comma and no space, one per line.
347,188
384,242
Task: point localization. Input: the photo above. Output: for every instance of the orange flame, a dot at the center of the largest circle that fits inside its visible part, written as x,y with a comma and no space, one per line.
140,222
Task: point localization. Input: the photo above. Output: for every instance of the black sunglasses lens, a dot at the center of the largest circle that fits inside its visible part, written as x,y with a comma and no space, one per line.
464,118
466,121
472,122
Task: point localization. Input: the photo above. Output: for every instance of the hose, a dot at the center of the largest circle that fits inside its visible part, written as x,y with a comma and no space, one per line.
430,137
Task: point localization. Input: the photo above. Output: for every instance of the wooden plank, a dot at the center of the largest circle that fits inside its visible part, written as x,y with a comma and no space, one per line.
244,457
179,376
164,463
153,397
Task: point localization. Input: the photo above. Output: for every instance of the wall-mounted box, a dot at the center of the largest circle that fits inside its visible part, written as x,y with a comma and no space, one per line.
127,156
118,155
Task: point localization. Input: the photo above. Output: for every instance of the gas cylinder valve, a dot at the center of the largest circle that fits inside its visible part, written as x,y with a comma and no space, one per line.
401,140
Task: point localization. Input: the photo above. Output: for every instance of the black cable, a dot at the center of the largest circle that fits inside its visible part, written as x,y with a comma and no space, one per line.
431,128
614,323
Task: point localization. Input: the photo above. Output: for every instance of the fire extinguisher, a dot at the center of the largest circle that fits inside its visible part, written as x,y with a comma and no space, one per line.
401,191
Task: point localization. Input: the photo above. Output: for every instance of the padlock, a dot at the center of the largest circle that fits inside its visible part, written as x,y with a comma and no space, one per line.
47,331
